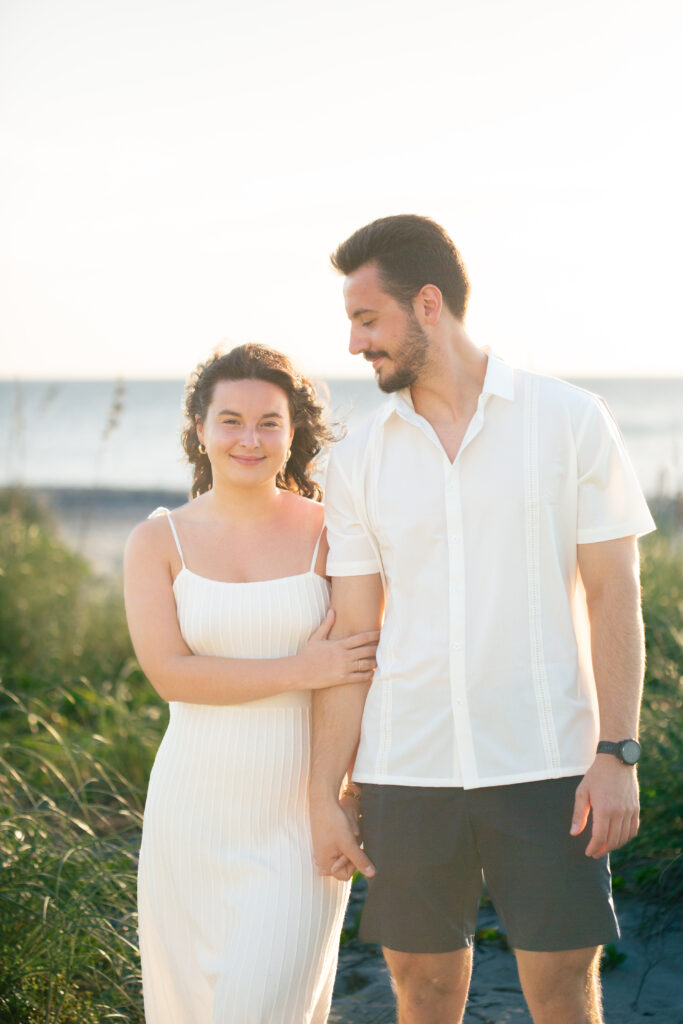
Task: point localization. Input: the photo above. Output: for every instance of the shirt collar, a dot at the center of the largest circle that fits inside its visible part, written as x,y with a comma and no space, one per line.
499,380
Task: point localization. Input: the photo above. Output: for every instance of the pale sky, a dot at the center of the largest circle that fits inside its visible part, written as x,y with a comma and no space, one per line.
174,175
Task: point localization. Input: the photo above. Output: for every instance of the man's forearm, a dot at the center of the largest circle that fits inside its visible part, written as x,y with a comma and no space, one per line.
337,714
609,788
618,663
358,602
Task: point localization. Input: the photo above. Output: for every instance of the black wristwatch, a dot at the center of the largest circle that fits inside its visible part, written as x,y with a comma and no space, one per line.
627,751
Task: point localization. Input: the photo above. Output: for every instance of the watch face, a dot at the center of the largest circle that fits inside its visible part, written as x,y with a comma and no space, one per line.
630,751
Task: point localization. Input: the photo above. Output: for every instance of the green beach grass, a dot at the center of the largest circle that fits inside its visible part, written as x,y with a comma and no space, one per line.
79,727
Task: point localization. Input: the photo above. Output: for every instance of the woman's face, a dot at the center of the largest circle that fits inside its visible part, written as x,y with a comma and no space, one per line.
247,431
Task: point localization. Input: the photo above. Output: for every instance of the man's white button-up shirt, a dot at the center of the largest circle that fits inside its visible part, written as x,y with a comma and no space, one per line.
484,671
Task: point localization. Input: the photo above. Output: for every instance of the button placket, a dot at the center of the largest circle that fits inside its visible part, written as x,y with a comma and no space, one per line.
457,618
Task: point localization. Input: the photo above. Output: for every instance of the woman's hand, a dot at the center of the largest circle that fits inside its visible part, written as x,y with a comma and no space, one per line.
336,842
323,662
349,801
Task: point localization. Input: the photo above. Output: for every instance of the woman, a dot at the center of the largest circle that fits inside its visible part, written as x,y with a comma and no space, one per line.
227,605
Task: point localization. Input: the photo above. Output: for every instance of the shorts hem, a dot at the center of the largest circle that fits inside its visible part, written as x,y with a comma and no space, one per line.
408,946
598,938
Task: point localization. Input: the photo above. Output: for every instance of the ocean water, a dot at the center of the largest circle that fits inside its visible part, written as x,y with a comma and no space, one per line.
99,434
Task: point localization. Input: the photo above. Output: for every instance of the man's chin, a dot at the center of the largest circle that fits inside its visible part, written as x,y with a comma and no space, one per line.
391,382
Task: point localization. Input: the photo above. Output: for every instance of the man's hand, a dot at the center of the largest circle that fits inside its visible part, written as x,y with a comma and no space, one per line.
610,788
336,850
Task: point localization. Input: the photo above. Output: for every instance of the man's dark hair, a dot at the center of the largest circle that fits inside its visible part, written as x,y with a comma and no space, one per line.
410,252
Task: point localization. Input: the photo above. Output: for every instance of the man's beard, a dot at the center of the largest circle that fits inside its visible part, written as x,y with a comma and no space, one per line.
410,359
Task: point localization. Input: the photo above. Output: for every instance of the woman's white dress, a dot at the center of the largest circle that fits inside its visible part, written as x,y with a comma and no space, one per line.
236,926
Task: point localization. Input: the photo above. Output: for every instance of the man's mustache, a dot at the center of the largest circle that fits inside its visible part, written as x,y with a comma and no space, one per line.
369,356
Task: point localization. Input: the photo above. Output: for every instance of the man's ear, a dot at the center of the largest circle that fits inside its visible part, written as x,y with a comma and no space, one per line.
428,304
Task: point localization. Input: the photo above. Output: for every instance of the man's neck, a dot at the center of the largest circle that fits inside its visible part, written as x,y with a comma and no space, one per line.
448,390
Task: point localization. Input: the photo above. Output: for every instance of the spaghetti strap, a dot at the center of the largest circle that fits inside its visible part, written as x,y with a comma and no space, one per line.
315,551
175,537
161,511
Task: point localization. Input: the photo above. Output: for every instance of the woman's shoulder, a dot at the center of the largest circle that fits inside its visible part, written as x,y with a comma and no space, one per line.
154,533
308,517
305,511
158,518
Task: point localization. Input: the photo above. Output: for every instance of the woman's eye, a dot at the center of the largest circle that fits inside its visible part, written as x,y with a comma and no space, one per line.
271,423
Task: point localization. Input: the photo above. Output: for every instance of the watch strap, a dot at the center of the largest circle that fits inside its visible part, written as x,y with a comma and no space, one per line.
607,747
628,751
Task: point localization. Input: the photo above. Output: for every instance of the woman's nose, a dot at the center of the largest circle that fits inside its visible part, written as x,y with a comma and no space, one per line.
249,436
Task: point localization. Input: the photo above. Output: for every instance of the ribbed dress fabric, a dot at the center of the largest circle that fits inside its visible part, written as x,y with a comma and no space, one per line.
236,926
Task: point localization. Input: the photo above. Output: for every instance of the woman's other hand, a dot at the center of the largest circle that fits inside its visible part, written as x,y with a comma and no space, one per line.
323,662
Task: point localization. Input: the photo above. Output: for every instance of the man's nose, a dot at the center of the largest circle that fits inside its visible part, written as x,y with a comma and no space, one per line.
357,343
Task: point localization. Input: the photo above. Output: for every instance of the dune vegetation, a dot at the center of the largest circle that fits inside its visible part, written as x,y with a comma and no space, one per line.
79,726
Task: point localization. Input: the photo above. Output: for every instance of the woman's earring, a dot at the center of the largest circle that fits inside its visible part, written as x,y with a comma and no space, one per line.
202,449
288,455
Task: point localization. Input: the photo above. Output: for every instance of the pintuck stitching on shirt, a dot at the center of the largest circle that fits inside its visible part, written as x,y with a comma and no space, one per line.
365,497
372,493
532,505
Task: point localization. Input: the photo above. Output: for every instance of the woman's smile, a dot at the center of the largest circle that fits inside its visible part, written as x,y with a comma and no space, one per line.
247,460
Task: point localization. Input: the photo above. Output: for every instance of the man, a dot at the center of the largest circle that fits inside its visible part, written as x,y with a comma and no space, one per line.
495,512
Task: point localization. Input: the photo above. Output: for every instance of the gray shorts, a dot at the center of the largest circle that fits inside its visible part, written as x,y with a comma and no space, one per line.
432,846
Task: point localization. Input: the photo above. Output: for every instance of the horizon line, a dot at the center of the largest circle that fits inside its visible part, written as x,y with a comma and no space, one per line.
172,378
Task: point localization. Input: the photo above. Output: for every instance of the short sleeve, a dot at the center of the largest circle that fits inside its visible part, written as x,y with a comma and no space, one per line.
610,500
352,552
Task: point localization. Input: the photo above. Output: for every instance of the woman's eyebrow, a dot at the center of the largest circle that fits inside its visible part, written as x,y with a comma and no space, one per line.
231,412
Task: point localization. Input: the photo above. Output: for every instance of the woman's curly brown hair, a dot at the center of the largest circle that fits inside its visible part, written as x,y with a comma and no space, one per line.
258,362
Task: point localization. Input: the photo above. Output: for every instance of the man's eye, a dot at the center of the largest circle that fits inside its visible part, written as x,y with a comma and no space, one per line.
367,323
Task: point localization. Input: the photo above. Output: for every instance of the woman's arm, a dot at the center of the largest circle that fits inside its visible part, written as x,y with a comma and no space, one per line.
179,675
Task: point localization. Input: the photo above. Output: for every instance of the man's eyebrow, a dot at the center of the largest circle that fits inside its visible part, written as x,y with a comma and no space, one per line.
361,312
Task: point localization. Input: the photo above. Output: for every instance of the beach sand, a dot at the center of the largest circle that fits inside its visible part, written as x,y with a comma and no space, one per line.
646,985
